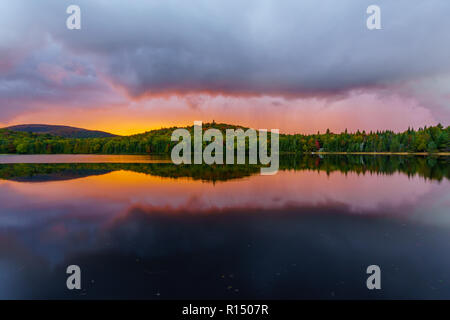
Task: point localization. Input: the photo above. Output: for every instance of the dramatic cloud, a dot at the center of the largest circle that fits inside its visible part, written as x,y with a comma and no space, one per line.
142,50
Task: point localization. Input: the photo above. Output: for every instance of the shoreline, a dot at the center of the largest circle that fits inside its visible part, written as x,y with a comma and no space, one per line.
388,153
281,153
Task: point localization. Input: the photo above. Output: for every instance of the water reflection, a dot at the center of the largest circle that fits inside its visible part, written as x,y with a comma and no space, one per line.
81,158
152,231
57,167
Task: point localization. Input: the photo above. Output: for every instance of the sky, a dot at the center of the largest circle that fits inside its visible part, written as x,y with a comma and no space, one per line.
294,65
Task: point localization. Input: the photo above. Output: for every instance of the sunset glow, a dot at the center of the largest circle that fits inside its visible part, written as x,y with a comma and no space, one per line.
137,79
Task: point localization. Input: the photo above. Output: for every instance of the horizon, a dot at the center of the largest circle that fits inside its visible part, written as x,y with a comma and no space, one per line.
223,123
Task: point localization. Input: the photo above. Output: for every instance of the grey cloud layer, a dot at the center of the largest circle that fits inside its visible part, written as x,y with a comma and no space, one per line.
264,46
289,47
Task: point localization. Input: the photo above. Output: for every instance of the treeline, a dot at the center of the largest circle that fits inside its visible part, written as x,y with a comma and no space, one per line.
429,139
31,143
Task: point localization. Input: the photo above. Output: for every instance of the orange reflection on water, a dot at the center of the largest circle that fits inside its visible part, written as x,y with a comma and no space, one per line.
126,188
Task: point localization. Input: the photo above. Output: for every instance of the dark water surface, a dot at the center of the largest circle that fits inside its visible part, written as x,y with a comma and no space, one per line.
140,229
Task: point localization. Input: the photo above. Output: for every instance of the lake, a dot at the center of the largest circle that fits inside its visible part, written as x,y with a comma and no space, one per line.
141,227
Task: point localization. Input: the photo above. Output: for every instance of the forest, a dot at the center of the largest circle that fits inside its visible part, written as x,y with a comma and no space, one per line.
431,139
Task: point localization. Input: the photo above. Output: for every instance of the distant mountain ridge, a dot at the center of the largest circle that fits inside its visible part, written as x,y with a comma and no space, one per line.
61,131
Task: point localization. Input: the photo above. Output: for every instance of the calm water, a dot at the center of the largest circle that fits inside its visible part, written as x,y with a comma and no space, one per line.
139,228
80,158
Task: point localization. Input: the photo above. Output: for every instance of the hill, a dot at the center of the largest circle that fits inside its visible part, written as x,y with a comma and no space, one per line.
60,131
434,139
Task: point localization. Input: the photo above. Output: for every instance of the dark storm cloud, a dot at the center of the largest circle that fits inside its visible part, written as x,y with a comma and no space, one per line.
264,46
236,47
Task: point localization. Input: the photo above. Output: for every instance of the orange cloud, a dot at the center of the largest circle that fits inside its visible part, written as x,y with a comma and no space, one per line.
363,111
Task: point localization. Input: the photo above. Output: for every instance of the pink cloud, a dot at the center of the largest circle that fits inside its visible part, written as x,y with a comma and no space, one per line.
363,110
